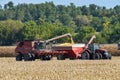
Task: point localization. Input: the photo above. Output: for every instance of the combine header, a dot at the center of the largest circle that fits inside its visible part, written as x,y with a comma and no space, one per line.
31,50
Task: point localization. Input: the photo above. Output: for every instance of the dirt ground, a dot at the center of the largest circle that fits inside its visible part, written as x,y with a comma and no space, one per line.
60,70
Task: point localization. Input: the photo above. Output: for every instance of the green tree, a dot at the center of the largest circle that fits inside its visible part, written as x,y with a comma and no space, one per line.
84,33
106,33
8,31
10,4
115,35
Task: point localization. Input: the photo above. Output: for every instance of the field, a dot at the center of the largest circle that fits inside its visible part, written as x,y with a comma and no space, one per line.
60,70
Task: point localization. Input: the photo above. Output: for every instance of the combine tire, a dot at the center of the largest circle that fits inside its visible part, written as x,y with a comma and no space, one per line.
61,57
29,57
19,57
85,56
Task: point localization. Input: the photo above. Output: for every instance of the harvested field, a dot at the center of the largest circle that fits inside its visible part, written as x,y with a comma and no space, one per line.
60,70
7,51
112,48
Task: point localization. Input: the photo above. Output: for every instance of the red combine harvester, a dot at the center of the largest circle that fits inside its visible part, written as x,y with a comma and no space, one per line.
30,50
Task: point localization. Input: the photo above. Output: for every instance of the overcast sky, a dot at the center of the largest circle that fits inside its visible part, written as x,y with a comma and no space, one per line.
106,3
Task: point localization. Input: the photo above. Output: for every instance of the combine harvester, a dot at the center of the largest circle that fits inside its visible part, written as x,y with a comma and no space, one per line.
30,50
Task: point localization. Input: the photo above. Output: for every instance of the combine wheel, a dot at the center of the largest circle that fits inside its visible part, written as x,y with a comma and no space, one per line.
85,55
61,57
19,57
29,56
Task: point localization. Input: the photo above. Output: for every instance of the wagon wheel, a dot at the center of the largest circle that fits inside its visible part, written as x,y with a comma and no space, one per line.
19,57
85,55
46,57
61,57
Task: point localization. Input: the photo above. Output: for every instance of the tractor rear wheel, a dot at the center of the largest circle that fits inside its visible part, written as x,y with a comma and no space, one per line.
85,56
61,57
19,57
96,56
100,56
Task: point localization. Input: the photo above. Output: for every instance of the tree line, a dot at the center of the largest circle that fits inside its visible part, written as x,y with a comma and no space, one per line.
47,20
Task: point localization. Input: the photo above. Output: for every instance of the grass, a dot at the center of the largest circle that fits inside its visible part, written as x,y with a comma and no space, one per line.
60,70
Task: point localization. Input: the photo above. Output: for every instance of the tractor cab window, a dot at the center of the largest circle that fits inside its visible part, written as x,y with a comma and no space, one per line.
93,47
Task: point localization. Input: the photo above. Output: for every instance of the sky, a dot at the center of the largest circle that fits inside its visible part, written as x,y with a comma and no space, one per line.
106,3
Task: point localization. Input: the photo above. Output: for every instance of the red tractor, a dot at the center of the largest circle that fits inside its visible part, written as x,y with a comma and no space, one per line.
30,50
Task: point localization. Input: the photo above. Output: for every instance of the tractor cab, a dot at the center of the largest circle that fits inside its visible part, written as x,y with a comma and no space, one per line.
93,47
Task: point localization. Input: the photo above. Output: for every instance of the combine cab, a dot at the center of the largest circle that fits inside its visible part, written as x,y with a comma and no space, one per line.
31,50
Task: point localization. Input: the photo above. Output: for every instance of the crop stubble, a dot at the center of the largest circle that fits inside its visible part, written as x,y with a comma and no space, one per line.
60,70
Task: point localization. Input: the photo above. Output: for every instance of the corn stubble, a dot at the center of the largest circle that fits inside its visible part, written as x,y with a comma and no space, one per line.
60,70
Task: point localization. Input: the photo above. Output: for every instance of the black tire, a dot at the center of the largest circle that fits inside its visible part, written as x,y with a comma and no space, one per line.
46,57
96,56
72,58
33,56
85,56
100,56
27,57
19,57
61,57
109,56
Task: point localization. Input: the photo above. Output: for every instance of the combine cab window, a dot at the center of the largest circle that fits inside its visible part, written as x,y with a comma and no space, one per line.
39,45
